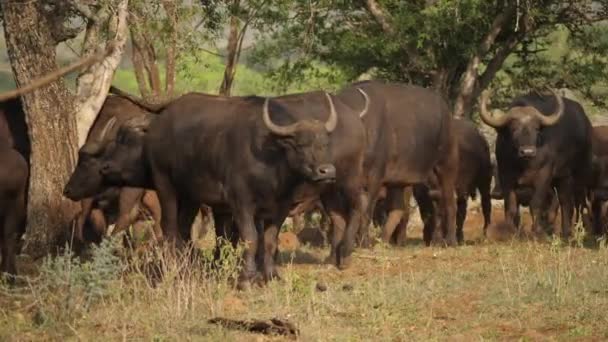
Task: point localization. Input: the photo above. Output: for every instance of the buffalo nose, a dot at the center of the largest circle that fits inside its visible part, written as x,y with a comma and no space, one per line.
527,152
326,171
66,192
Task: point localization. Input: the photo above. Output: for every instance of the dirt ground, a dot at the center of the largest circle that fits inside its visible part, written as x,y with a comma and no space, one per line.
513,290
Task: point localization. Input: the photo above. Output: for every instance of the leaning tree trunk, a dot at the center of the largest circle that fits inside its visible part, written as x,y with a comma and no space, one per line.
31,49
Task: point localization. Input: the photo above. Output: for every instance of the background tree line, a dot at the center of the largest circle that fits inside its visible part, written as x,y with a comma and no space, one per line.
162,48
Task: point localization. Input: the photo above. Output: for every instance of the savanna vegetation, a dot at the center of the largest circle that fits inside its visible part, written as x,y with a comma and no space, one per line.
159,49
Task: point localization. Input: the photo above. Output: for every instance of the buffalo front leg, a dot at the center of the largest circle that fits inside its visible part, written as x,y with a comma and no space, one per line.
244,218
187,211
486,208
354,213
168,205
271,233
565,192
150,201
86,206
337,232
128,203
511,207
538,204
368,202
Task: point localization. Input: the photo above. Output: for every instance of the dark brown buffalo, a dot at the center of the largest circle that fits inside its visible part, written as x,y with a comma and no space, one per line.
116,205
14,175
543,142
598,192
474,174
409,132
250,159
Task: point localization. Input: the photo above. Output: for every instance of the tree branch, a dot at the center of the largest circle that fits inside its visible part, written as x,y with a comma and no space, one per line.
46,79
470,76
85,10
381,18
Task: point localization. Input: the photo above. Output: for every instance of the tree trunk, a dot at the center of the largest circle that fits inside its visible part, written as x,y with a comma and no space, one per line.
465,98
94,83
171,11
233,43
31,49
144,56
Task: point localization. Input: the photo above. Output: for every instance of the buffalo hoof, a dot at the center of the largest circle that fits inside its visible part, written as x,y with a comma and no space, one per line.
451,242
243,285
345,263
271,274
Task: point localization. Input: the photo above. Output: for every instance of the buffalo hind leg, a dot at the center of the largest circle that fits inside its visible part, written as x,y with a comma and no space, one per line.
427,212
225,232
461,215
368,205
245,221
400,235
446,179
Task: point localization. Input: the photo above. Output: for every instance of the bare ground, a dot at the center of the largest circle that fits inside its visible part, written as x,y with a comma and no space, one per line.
517,290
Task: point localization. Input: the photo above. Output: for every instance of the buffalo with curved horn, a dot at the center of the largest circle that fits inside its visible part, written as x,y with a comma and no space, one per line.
543,143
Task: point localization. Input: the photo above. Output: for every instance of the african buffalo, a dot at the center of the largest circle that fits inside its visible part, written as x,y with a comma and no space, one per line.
116,205
409,132
474,173
543,142
248,158
14,176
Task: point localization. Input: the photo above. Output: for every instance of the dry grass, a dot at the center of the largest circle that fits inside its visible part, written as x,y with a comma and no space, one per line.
518,290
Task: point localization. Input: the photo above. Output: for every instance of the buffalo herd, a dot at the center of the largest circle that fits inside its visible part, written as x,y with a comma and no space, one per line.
359,154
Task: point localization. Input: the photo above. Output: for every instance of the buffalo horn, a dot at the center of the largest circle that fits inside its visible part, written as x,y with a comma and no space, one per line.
366,108
331,123
553,118
106,128
276,129
495,121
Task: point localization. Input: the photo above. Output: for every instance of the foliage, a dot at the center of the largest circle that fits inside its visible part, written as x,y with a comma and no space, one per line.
68,287
432,43
204,72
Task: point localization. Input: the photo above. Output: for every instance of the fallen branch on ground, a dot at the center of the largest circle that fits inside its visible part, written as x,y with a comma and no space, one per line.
273,326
